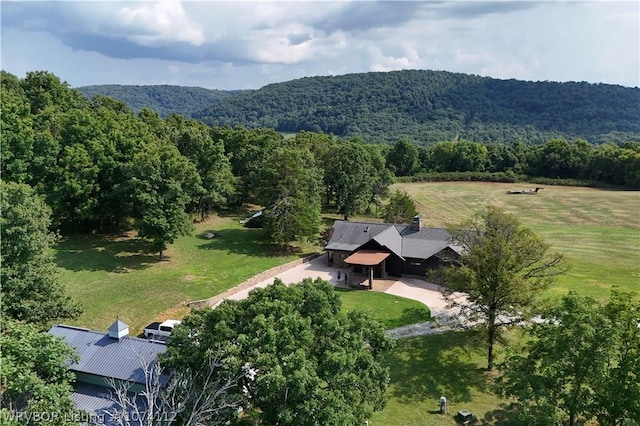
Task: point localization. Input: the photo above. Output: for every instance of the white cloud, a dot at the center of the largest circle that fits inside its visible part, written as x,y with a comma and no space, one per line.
164,20
249,44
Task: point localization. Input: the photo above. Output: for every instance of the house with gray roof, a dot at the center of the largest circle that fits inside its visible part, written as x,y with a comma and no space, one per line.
107,360
381,250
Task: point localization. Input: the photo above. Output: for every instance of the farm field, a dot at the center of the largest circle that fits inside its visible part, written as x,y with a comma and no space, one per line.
598,230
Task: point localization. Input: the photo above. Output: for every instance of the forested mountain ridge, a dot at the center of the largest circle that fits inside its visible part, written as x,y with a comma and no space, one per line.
164,99
432,106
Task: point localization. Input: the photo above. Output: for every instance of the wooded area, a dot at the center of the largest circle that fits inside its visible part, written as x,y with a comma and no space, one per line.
424,107
100,167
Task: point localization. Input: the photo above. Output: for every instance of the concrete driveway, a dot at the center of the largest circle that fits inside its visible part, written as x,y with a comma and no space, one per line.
411,288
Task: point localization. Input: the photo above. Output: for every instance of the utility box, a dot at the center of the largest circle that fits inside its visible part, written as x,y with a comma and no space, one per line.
465,416
443,405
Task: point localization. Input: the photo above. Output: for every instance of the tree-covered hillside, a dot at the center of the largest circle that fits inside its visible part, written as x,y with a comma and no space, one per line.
432,106
163,99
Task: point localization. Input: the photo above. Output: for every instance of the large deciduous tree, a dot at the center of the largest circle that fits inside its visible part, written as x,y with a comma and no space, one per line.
400,209
35,376
403,158
163,183
349,177
307,362
195,142
31,291
290,186
503,268
582,362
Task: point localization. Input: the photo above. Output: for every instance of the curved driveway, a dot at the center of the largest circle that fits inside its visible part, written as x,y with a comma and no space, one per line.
411,288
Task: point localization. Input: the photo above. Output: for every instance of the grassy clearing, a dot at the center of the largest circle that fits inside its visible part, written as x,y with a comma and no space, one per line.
597,229
427,367
391,311
117,276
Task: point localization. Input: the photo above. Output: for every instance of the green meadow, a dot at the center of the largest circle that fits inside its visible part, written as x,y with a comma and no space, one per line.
598,230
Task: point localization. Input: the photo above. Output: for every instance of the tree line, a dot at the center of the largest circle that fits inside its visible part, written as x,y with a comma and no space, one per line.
100,167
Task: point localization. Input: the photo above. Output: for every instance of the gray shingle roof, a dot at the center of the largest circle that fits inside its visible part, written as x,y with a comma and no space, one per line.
105,356
399,239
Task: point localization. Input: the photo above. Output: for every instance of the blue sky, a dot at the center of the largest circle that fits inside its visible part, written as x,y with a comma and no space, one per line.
245,45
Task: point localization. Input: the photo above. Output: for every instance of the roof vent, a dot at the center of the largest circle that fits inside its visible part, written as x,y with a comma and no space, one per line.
118,330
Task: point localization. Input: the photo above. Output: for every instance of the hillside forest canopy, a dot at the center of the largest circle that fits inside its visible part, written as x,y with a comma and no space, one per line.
101,167
423,106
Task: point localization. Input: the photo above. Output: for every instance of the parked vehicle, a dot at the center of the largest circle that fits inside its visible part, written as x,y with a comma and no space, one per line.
160,330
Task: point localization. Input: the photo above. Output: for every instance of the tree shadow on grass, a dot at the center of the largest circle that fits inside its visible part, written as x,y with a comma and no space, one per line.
427,367
506,415
246,241
104,252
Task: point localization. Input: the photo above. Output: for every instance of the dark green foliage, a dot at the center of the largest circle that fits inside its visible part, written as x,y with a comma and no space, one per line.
163,183
35,377
31,291
290,186
434,106
582,362
194,141
400,209
350,177
164,99
307,363
247,150
402,158
503,268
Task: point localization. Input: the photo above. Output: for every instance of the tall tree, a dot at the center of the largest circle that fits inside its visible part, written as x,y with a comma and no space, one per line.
503,268
403,158
194,141
581,362
31,290
35,376
349,177
308,363
400,209
163,183
290,186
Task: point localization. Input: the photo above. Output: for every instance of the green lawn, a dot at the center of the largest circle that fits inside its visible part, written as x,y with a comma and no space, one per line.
391,311
427,367
598,230
116,276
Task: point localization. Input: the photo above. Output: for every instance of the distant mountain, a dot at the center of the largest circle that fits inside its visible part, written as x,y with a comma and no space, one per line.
432,106
163,99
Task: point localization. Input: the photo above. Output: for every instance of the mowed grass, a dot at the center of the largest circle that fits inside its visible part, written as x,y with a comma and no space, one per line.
117,276
598,230
424,368
391,311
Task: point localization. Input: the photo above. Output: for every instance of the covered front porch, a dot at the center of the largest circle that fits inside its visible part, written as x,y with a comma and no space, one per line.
364,266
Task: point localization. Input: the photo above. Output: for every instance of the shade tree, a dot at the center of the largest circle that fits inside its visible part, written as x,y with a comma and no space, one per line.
503,268
581,362
308,363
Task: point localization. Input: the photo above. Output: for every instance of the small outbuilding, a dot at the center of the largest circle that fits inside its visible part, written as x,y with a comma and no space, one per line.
108,359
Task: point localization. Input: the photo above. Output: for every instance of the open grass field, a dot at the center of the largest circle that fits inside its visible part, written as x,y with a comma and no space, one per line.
598,230
116,276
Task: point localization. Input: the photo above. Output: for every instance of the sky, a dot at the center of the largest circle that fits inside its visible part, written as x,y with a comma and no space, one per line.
248,44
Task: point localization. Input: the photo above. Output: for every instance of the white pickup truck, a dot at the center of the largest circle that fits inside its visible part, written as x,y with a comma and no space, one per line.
160,330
